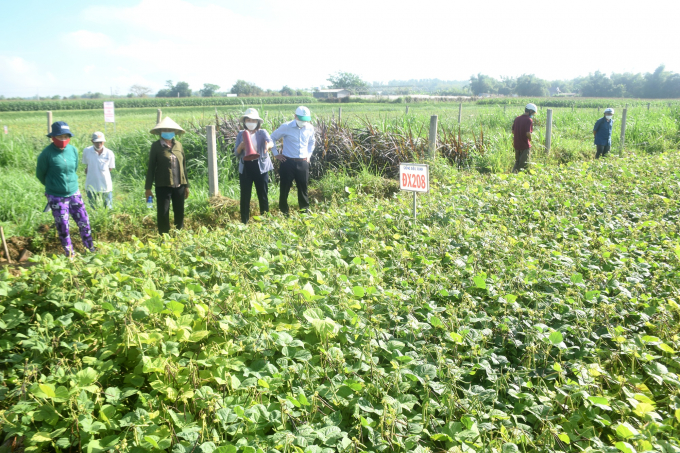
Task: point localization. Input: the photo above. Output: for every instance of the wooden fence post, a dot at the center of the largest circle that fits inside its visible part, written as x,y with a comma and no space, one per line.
432,144
49,122
623,126
159,116
460,112
548,131
213,185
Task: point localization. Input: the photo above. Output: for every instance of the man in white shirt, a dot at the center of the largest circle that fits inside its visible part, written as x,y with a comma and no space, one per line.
298,146
99,161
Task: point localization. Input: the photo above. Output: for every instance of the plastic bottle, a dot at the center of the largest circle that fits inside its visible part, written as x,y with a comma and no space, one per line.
149,202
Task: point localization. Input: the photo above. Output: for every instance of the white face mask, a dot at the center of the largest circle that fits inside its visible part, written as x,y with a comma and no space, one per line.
608,117
251,125
301,123
98,146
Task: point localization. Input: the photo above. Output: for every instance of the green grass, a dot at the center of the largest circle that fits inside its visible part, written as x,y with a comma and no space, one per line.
532,312
21,202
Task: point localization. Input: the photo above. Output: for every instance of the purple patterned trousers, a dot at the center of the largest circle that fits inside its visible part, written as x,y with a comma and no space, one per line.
73,205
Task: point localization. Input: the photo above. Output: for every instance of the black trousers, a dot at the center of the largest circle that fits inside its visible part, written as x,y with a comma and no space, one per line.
602,150
163,197
251,174
298,171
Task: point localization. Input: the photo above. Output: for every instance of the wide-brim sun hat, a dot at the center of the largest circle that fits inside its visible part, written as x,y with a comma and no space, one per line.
609,110
98,137
252,114
60,128
531,106
167,123
303,113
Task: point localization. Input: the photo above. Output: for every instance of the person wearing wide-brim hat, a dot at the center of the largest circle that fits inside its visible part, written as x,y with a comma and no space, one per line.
252,148
298,146
56,170
167,170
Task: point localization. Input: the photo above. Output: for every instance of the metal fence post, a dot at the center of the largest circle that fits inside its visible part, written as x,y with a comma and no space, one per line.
460,111
49,122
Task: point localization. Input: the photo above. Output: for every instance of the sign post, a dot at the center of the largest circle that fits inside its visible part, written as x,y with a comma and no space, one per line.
414,178
109,116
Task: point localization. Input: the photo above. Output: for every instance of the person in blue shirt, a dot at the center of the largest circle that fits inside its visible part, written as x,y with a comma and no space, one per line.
298,146
603,133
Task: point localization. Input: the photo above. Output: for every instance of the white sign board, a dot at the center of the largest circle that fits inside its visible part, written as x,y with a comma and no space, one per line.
414,177
108,113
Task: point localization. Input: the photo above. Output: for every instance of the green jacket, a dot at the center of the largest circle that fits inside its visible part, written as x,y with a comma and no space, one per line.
56,170
160,167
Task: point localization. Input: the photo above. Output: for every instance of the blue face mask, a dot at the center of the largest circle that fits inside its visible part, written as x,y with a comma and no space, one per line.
168,135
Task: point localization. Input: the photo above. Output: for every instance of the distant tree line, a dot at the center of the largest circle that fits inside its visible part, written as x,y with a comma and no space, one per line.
660,84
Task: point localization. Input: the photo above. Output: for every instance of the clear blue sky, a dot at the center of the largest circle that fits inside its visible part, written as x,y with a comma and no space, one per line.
75,46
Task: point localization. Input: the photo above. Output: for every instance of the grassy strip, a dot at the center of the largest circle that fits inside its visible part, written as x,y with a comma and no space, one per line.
91,104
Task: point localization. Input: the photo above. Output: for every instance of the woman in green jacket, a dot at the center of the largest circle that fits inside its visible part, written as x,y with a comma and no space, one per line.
167,170
56,170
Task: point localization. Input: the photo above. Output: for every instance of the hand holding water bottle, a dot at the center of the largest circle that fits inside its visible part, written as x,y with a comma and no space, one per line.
149,199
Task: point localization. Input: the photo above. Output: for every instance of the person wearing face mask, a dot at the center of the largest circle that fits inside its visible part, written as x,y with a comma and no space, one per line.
99,161
56,170
521,130
298,146
167,170
603,133
252,148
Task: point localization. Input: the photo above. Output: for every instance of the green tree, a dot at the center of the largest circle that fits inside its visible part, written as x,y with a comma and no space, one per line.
139,90
172,91
482,84
348,81
209,90
287,91
599,85
243,88
530,85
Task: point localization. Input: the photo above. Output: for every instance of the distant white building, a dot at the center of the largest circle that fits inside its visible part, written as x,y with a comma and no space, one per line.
331,94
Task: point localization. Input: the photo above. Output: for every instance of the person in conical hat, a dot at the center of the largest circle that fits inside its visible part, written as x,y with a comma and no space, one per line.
254,165
167,170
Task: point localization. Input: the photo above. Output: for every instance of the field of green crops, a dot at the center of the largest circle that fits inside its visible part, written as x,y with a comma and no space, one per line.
534,312
483,137
518,313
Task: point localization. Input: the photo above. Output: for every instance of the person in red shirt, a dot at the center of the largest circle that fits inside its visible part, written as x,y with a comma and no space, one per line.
522,129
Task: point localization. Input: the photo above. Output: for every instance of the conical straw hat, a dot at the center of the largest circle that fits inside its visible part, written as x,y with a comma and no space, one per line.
167,123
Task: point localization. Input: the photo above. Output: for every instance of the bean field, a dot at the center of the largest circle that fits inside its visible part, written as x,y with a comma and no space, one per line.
523,312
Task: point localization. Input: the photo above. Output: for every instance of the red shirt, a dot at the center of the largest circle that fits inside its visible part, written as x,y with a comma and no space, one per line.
520,127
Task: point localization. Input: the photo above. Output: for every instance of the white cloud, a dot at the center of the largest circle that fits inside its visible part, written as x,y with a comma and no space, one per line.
274,42
86,39
19,76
